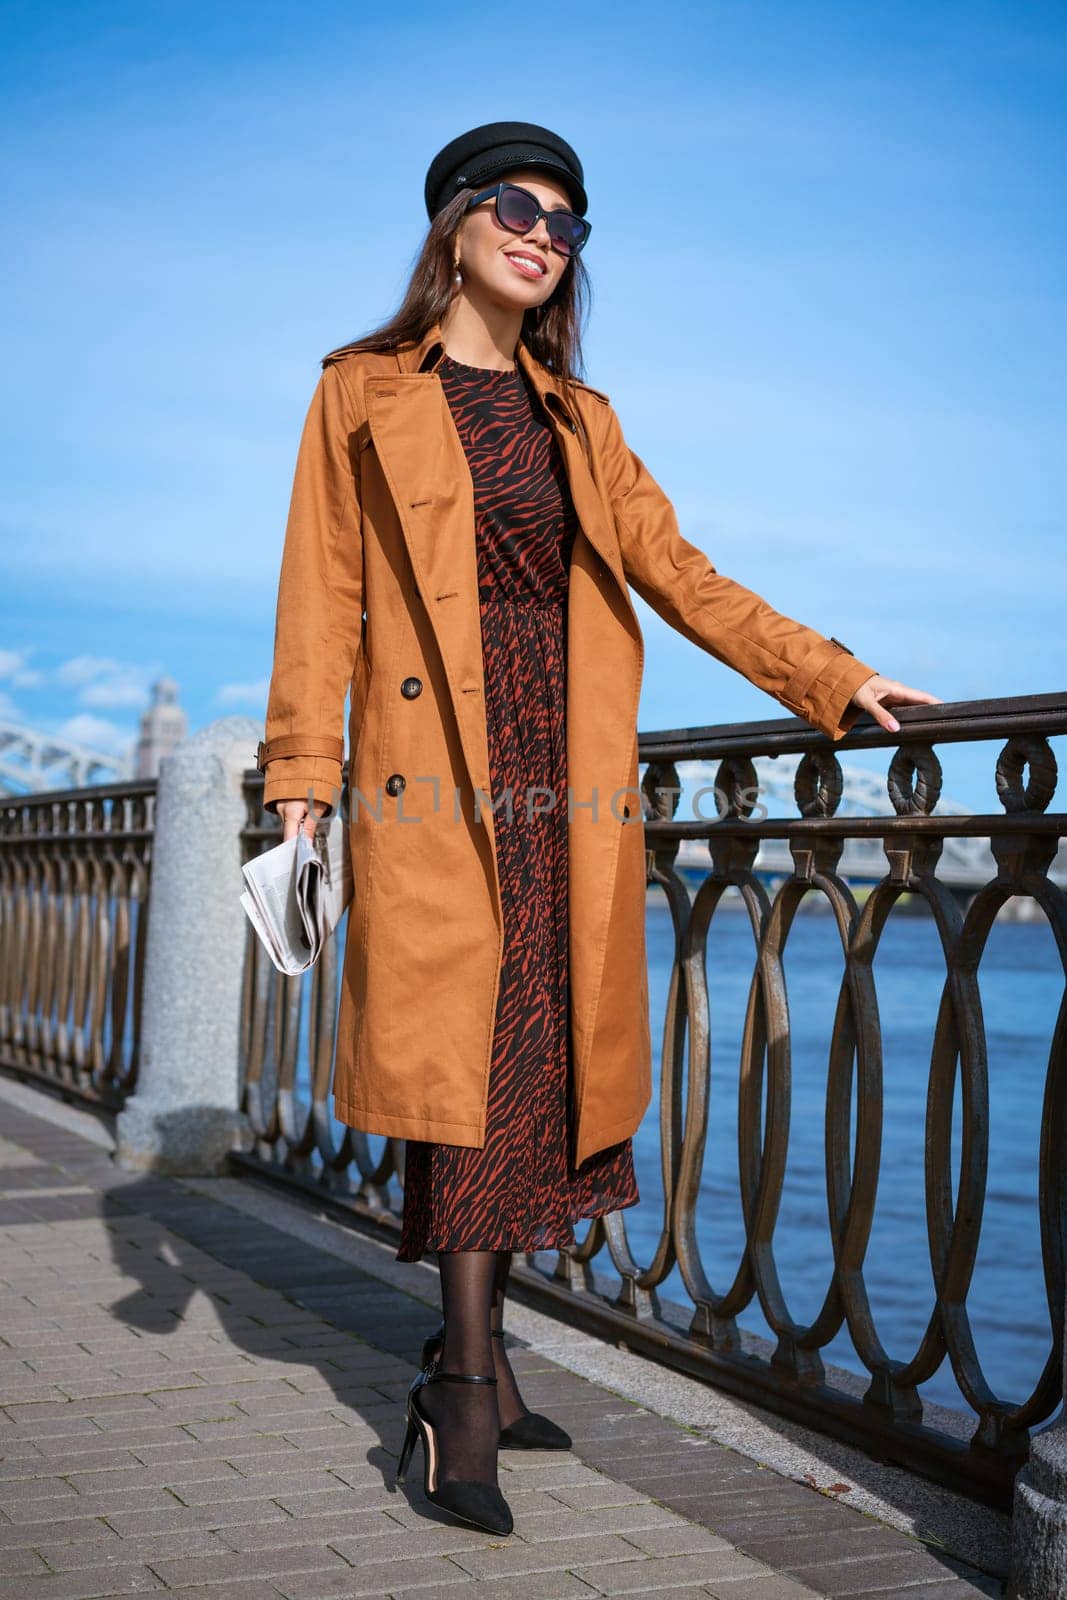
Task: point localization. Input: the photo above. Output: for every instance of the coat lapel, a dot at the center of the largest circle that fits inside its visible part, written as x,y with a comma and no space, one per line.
425,467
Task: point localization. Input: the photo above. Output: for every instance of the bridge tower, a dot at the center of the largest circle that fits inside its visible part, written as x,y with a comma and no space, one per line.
163,726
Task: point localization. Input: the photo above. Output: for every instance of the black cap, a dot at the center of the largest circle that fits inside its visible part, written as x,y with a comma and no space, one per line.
498,147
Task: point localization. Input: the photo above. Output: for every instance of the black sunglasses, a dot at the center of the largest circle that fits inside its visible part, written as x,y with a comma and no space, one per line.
518,210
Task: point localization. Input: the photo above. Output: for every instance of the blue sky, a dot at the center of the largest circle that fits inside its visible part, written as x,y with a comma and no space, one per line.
828,285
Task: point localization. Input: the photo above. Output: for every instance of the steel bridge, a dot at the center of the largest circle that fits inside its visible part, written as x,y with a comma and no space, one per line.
32,761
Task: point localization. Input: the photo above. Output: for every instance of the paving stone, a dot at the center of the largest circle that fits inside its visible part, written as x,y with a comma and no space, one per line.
668,1572
589,1496
339,1435
612,1428
560,1524
862,1540
349,1462
247,1395
111,1549
684,1453
70,1461
90,1441
768,1586
176,1473
195,1412
531,1586
268,1451
211,1491
885,1573
685,1591
710,1471
565,1471
950,1589
520,1462
427,1572
23,1491
755,1521
22,1563
354,1521
251,1589
310,1502
703,1498
51,1420
16,1535
20,1458
251,1514
675,1538
218,1567
84,1505
288,1405
512,1557
770,1497
236,1430
399,1545
83,1585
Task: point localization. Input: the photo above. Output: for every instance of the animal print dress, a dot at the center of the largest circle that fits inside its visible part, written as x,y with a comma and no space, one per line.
519,1192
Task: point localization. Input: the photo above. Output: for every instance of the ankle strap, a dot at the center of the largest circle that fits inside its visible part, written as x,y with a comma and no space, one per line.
436,1376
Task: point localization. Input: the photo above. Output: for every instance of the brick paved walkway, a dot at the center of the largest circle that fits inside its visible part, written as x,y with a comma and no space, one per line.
193,1401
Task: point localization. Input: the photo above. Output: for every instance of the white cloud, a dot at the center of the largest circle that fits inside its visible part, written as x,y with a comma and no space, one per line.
244,694
125,689
86,669
98,733
104,682
13,667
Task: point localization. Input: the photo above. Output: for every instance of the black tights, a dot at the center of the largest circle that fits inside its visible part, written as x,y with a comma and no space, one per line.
468,1416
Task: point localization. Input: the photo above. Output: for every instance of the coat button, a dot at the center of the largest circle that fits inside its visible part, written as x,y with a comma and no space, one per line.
395,782
411,687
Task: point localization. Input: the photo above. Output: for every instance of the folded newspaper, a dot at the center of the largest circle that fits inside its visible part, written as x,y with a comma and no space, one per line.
297,893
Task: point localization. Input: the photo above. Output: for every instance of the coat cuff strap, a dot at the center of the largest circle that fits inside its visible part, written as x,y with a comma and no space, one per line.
796,690
300,744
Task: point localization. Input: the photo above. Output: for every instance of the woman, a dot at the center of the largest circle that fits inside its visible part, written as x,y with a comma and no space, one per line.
466,518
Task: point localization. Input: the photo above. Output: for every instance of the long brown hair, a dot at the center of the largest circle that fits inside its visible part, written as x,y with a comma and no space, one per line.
552,332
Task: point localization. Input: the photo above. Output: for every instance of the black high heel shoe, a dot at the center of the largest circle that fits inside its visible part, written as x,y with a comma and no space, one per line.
529,1432
480,1504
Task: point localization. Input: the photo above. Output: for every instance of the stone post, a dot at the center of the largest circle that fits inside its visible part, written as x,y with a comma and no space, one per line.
1039,1518
183,1116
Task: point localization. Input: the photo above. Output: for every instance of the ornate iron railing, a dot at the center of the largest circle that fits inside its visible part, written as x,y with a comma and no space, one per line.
75,867
600,1284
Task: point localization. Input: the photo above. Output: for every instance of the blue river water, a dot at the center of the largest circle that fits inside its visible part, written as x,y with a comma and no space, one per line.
1021,987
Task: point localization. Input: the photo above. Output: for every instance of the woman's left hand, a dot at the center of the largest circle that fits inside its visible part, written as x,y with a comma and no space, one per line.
878,693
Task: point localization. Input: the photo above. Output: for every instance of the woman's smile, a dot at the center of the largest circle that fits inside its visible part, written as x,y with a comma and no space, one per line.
528,265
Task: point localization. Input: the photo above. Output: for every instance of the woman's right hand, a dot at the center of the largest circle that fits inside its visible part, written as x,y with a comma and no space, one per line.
295,815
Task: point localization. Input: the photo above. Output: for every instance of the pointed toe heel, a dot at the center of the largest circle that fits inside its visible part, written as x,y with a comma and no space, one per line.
480,1504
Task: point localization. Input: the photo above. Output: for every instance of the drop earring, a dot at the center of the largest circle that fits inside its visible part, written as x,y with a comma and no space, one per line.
457,276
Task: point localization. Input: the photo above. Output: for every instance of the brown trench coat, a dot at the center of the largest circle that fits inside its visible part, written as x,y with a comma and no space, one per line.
378,589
